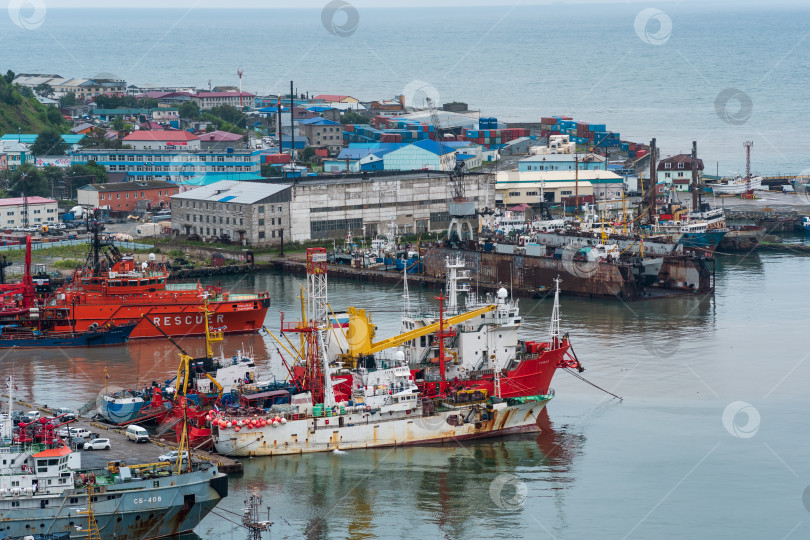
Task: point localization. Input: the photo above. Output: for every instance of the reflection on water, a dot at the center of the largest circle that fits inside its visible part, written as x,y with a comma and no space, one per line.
436,487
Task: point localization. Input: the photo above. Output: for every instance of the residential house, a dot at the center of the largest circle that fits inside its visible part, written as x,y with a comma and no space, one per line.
252,213
322,133
677,171
82,129
16,153
220,141
29,138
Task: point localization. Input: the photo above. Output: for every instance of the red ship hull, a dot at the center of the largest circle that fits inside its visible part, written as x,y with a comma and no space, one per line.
531,377
180,319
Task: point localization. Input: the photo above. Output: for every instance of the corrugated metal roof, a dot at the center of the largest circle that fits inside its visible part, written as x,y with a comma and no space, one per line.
235,191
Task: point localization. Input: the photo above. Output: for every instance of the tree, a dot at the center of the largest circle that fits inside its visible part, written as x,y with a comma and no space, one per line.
54,116
307,153
49,143
27,178
55,178
118,123
68,100
44,89
81,175
25,91
353,118
189,110
10,76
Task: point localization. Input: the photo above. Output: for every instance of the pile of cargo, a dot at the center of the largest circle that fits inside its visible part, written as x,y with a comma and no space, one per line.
589,134
387,130
494,138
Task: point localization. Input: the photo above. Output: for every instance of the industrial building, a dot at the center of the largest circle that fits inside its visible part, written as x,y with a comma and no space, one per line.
251,213
418,202
41,211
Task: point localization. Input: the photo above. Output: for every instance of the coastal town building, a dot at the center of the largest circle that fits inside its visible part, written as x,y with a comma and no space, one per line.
176,166
29,138
126,197
322,208
426,154
517,187
322,133
16,153
251,213
162,140
161,114
207,100
40,211
220,141
561,162
677,171
82,88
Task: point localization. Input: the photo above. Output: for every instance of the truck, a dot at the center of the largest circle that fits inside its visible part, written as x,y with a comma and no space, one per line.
149,229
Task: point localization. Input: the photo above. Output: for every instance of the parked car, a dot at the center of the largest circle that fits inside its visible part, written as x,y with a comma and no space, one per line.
172,456
66,414
74,432
97,444
32,415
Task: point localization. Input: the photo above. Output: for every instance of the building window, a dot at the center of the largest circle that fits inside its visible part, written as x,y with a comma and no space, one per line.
667,165
261,209
680,165
514,194
261,235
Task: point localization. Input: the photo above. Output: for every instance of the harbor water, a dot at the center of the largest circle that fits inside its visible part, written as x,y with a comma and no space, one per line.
710,439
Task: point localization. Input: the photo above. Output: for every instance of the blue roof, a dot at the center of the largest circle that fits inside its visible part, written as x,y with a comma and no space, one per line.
228,198
464,157
29,138
210,178
319,108
432,146
318,122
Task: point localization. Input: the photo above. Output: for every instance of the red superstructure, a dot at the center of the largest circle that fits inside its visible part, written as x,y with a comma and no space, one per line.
115,291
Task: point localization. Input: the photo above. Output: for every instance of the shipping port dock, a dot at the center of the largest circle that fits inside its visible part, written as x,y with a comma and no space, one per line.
122,449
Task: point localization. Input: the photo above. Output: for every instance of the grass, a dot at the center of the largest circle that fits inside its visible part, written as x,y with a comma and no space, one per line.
67,264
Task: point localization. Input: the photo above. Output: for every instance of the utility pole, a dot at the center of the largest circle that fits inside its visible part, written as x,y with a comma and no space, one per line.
292,123
653,193
748,145
695,206
576,184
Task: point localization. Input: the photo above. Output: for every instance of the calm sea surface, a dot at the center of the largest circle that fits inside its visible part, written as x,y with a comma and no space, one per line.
643,73
710,441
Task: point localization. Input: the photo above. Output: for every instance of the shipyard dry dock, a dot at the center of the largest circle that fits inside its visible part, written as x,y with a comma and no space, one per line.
529,275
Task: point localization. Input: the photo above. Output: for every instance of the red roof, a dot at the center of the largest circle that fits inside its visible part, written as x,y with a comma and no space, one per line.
161,135
54,452
220,136
19,200
330,97
222,94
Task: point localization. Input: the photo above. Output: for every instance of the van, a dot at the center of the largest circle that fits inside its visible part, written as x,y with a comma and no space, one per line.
137,434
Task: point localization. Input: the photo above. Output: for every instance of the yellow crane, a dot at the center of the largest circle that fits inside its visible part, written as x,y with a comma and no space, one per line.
361,331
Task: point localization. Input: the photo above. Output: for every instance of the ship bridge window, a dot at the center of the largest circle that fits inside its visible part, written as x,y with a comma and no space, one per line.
160,280
144,282
133,283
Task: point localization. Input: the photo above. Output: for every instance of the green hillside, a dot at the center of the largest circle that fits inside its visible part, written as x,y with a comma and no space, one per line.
20,112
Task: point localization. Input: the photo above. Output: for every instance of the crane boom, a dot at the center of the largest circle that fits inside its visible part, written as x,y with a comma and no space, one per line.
361,331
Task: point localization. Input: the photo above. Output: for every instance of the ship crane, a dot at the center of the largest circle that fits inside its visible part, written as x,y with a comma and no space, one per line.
361,331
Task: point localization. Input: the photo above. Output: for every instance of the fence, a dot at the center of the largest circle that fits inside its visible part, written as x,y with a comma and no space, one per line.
79,242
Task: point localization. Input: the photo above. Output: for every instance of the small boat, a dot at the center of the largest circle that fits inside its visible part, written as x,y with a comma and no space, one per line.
733,186
15,336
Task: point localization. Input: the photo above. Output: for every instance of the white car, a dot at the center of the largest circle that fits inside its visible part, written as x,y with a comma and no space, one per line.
172,456
97,444
74,432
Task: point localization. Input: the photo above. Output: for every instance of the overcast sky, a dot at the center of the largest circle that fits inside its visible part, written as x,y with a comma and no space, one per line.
318,4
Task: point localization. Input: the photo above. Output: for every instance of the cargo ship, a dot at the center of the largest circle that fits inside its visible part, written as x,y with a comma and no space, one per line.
46,494
115,291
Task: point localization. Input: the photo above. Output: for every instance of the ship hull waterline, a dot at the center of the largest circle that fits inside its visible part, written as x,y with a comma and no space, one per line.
364,431
136,511
176,320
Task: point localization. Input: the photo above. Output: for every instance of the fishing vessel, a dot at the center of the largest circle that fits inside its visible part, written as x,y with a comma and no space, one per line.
46,494
385,406
736,185
115,291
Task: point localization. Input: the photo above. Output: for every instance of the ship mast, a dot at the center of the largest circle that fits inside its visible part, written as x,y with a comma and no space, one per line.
406,299
554,337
